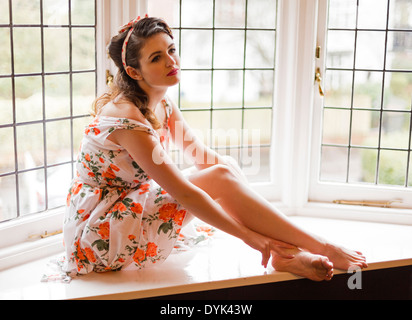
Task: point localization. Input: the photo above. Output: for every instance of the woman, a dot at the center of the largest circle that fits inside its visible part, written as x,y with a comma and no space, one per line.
129,201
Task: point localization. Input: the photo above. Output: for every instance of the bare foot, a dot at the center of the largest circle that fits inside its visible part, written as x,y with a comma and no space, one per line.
343,258
305,264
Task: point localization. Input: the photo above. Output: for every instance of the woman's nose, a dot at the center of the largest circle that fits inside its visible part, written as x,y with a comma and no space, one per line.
171,61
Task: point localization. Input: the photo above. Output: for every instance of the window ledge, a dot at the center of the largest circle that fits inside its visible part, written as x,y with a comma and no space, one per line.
21,254
225,262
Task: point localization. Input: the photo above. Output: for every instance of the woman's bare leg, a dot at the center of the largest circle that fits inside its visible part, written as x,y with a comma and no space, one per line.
246,206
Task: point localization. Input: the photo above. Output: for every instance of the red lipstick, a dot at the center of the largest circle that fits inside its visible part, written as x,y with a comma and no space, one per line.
173,72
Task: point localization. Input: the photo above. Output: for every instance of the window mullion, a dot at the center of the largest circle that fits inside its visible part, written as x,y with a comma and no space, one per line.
295,84
13,89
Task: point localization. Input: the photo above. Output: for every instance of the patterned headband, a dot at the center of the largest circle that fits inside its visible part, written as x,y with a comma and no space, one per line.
130,25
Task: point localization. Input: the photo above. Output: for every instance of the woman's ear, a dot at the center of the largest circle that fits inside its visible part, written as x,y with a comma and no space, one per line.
133,73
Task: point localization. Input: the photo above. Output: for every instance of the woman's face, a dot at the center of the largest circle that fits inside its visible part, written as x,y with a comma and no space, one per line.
159,62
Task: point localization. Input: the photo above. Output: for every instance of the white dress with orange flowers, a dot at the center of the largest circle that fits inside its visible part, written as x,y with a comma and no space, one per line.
116,215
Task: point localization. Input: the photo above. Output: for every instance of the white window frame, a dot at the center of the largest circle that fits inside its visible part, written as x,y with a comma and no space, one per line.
299,127
328,192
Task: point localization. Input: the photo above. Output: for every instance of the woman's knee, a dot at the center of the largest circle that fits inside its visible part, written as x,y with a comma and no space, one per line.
224,173
216,180
235,168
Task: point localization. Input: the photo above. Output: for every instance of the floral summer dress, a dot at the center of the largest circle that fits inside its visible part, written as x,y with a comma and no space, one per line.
116,215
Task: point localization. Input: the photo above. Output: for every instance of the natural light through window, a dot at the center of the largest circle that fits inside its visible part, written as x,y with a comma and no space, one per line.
47,84
368,88
228,66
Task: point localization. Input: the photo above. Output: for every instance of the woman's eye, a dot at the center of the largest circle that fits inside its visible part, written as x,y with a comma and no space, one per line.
172,50
155,59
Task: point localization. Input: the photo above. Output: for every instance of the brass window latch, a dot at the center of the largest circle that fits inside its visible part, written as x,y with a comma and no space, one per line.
318,74
109,78
318,80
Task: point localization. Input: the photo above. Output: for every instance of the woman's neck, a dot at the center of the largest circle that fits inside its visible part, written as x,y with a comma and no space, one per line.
155,95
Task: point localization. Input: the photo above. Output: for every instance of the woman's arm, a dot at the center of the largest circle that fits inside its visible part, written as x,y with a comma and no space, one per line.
187,141
151,157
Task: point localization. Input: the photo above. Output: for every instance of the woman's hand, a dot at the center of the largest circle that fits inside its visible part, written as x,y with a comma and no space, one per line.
265,245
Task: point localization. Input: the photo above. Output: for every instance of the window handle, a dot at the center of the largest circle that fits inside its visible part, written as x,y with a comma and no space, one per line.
45,234
318,79
109,78
380,204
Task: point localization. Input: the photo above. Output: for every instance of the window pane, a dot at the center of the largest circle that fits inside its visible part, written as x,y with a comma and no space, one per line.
365,128
362,166
199,121
30,146
57,95
227,89
255,163
26,11
372,14
83,12
8,203
342,14
31,192
56,49
399,50
195,89
260,49
58,141
259,88
367,90
29,102
79,125
4,13
197,13
398,91
257,127
27,50
84,85
395,130
370,50
338,89
340,49
6,106
392,167
169,10
229,48
198,58
336,126
400,16
56,12
58,178
6,150
5,65
84,51
230,14
334,164
261,14
226,127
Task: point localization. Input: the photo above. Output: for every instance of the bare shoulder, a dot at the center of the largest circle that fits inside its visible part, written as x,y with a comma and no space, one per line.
122,109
